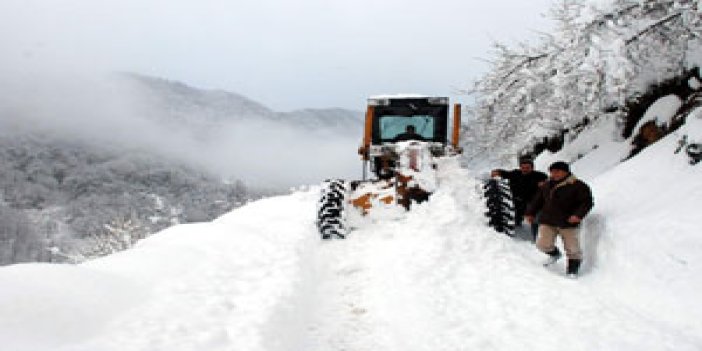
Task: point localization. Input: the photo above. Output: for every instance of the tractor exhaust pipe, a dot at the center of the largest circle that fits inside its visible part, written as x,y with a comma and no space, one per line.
456,125
365,147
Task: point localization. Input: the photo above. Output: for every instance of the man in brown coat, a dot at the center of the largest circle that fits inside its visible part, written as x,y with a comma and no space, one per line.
563,201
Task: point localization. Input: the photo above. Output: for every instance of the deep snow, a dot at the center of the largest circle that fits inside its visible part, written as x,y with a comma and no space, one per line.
433,279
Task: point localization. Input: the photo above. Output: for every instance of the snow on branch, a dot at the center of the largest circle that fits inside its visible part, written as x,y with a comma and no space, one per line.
524,63
653,26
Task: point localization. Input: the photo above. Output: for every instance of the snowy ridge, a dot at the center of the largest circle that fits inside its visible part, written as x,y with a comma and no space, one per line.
175,104
434,279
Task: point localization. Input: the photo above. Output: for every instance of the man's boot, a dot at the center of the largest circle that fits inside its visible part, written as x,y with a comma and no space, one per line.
553,256
534,231
573,267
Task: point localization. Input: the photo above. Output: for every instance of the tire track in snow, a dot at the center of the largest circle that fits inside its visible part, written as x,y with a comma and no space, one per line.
335,303
362,293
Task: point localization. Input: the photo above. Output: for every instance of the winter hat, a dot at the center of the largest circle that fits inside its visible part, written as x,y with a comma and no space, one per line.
559,165
526,160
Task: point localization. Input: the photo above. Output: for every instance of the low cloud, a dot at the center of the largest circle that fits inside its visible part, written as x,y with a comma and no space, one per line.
273,154
105,109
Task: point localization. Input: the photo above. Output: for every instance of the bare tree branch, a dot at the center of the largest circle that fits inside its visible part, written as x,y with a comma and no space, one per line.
652,27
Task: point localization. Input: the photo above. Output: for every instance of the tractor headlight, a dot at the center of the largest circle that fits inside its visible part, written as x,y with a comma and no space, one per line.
438,100
437,149
380,150
378,102
375,151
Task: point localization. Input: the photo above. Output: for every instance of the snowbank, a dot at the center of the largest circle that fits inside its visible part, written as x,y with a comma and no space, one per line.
648,249
661,111
190,287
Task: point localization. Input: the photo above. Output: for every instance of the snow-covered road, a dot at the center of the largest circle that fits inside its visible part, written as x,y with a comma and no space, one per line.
433,279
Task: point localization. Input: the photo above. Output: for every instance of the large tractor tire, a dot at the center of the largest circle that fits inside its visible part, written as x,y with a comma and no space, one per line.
331,219
500,207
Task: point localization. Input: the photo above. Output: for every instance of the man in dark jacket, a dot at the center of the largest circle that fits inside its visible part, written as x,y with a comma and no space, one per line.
524,183
563,201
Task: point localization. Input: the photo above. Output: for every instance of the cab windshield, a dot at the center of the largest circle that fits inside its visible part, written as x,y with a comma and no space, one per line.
392,126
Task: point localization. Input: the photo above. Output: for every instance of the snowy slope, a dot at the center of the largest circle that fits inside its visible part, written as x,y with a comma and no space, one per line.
259,278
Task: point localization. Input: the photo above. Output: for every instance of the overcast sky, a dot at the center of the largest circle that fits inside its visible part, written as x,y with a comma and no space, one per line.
285,54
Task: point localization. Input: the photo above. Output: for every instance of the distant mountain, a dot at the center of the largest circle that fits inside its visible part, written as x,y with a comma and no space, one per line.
234,136
200,110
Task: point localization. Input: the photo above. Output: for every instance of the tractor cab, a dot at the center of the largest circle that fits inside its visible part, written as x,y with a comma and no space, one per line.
415,118
392,121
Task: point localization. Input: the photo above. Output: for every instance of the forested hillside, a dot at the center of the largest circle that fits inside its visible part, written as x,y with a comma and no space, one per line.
71,200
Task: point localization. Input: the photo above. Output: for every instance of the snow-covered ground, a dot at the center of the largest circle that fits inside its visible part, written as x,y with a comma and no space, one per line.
433,279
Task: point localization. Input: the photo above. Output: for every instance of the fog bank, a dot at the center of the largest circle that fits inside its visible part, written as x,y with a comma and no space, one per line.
108,108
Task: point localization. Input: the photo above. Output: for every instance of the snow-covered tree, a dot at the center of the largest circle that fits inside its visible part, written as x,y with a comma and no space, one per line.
594,62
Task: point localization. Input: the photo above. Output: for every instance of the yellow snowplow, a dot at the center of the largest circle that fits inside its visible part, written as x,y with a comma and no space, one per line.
403,137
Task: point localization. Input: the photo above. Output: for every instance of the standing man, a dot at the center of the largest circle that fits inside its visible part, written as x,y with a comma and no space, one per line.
563,201
524,183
